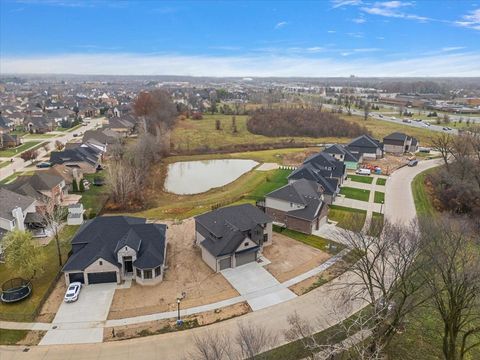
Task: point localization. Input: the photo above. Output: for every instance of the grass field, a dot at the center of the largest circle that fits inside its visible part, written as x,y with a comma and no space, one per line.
94,198
354,193
39,136
25,310
190,135
379,197
11,337
361,179
318,242
376,225
423,202
19,149
347,218
381,181
246,189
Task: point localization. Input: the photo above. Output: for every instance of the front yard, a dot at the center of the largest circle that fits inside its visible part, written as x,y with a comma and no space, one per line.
361,179
43,283
354,193
19,149
347,218
95,197
379,197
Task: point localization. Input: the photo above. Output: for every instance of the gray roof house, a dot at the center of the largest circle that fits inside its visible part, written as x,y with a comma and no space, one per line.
114,248
232,236
86,157
341,153
366,146
298,206
14,209
41,186
399,143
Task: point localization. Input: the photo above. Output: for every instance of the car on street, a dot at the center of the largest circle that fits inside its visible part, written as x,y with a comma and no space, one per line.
73,291
381,116
412,163
426,124
43,165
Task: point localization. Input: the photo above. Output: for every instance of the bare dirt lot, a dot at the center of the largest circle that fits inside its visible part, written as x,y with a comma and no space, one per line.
290,257
389,163
186,272
168,325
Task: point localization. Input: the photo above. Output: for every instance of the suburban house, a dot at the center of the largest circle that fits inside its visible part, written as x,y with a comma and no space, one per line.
330,186
14,208
100,138
38,124
232,236
123,125
69,174
297,206
85,157
110,249
62,117
366,147
41,186
399,143
341,153
328,166
9,141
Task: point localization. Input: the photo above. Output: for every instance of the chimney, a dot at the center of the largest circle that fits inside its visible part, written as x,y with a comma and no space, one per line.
18,215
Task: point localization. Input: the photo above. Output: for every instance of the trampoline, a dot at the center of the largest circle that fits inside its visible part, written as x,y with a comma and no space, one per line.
15,290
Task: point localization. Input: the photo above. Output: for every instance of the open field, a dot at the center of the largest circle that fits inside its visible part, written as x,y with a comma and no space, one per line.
186,272
354,193
361,179
190,135
19,149
27,309
347,218
247,188
290,257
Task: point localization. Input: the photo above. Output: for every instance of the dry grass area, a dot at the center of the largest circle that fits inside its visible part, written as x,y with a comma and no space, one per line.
291,258
186,272
296,159
51,306
168,325
32,338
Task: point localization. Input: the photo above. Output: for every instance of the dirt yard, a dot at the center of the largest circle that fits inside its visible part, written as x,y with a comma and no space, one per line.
389,163
297,158
186,272
162,326
50,307
32,338
290,257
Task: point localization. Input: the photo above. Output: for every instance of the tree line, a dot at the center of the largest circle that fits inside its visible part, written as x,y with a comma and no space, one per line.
301,122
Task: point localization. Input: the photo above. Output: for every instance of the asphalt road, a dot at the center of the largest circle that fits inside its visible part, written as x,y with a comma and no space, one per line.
322,304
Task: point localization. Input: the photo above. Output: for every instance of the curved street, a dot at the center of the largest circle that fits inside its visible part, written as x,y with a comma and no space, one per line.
321,303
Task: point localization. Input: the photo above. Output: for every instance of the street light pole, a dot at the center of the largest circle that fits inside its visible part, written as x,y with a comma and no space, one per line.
179,321
381,208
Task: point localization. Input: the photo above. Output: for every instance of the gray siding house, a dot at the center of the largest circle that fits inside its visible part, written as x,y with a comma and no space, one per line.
114,248
399,143
232,236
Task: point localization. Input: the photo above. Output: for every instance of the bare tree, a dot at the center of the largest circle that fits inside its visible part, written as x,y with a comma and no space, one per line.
253,340
366,110
386,278
212,346
443,143
53,215
453,276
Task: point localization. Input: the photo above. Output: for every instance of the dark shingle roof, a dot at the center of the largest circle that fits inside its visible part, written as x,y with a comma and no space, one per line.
296,192
10,200
81,153
310,172
396,136
103,236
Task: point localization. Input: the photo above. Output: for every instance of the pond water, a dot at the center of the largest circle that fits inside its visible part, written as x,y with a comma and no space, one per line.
194,177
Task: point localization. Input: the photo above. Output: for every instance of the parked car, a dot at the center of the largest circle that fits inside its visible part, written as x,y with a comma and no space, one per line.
43,165
408,121
381,116
426,124
75,135
363,171
412,163
445,128
73,291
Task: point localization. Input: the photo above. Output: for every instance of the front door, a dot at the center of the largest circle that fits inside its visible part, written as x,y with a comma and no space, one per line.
128,265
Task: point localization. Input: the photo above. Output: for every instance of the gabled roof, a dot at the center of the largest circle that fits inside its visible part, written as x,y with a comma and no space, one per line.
341,150
81,153
9,200
102,136
227,226
103,236
40,181
310,172
396,136
296,192
364,141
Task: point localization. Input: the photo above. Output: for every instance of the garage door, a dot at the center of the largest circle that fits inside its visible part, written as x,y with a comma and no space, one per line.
225,263
74,277
102,277
245,258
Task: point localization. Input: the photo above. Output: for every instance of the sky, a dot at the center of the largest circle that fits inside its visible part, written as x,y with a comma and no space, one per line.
241,38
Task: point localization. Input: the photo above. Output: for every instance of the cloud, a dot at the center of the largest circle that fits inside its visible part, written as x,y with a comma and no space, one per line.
452,48
342,3
359,20
76,3
393,9
471,20
331,31
280,25
446,64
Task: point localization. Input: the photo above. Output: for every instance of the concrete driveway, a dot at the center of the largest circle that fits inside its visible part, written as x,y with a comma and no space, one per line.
92,305
257,286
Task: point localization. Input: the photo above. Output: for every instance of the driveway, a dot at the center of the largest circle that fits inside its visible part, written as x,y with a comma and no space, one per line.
257,286
92,305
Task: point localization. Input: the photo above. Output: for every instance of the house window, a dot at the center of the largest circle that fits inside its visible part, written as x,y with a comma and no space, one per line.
246,244
100,263
265,238
158,271
139,273
147,274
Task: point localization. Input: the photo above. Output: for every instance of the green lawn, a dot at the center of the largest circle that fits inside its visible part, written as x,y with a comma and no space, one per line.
361,179
94,198
379,197
275,180
69,129
381,181
39,136
357,194
347,218
4,164
11,337
26,309
423,202
376,224
311,240
19,149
